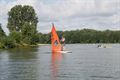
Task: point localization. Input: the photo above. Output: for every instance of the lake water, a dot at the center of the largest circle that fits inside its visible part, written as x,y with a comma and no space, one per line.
86,62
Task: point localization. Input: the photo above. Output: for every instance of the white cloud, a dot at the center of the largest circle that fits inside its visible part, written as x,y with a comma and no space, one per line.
69,13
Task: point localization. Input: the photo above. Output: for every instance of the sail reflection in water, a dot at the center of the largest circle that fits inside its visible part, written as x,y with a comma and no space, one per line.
56,59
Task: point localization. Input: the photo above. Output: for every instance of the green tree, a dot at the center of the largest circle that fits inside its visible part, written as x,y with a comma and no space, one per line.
2,36
29,34
28,30
19,16
16,36
22,24
7,42
2,33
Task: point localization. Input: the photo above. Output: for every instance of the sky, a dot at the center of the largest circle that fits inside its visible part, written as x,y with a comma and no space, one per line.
69,14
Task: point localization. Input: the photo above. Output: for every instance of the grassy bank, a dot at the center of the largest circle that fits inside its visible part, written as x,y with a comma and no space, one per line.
16,45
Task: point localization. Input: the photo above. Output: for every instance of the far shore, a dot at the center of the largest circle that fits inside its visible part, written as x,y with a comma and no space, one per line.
42,44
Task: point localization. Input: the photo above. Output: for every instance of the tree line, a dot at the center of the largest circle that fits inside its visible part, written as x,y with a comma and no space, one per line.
22,25
85,36
92,36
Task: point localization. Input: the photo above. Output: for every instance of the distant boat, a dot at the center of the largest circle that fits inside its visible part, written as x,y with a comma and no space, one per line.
104,46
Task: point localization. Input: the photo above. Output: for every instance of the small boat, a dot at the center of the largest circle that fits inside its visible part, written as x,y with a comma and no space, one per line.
104,46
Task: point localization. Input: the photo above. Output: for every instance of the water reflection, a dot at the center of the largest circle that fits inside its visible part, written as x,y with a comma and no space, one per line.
56,59
85,63
21,71
19,64
25,53
4,59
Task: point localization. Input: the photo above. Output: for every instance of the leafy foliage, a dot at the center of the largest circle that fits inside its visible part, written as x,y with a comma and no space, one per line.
22,24
7,42
2,33
86,36
16,36
19,15
44,38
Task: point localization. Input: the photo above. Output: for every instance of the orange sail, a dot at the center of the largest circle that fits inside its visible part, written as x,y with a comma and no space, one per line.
56,46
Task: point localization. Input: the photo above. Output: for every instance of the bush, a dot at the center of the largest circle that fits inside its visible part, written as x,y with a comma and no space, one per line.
7,42
16,36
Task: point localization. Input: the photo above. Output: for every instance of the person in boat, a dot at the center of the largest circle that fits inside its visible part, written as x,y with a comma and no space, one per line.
99,45
62,43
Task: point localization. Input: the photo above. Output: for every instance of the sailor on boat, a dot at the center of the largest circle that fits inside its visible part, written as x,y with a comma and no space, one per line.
62,43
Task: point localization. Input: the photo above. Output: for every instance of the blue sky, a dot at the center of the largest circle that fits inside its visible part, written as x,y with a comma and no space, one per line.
69,14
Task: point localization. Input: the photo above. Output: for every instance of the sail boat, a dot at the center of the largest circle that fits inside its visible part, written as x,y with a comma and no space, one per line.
55,41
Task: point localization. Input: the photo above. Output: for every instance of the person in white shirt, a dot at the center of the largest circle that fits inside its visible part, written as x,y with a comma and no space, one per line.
62,43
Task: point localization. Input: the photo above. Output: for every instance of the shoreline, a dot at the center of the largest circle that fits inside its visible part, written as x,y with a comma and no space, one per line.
23,45
26,45
42,44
